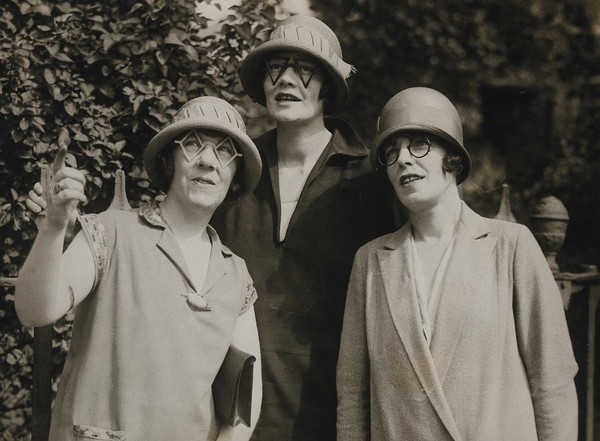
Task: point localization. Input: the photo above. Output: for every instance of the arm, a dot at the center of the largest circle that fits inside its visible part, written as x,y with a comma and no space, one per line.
43,295
353,377
245,337
544,342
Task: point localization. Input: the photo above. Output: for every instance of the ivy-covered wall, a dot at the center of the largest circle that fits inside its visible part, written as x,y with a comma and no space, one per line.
103,77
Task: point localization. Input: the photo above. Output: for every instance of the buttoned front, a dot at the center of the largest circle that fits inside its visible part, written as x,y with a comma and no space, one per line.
142,360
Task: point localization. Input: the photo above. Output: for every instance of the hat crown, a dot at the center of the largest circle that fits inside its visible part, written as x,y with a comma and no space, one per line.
210,108
424,107
306,28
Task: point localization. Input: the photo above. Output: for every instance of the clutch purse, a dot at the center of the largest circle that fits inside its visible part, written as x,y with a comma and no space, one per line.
232,388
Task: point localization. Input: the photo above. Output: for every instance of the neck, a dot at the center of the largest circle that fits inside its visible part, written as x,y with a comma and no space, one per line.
298,142
437,222
185,222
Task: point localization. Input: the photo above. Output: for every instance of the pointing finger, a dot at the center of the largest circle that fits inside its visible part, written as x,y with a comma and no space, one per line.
59,161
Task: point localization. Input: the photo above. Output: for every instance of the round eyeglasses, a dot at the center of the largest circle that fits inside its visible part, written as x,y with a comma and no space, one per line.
418,147
192,145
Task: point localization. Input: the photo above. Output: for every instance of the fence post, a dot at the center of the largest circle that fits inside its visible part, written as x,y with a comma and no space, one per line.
42,364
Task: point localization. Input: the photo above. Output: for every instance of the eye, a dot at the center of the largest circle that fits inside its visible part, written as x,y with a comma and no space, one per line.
191,146
306,68
419,144
420,141
225,149
275,65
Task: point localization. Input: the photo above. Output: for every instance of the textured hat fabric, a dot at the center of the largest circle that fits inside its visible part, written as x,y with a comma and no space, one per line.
210,113
304,34
425,110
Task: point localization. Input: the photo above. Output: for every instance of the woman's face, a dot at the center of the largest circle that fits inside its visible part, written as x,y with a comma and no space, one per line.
418,182
292,84
204,166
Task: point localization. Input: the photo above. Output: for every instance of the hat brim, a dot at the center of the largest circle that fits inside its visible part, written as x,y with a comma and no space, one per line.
427,129
251,157
252,73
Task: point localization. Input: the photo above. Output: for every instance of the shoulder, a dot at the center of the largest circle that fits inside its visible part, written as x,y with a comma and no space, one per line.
345,140
265,140
387,241
510,232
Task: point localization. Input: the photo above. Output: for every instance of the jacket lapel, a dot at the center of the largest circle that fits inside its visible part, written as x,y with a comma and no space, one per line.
396,268
472,247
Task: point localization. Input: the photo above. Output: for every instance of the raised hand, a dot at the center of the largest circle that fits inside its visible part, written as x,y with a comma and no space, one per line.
36,203
66,192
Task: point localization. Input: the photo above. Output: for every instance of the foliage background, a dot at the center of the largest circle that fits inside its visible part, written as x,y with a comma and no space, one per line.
103,76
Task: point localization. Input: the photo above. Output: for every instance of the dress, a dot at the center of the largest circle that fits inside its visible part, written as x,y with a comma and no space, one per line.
302,280
500,365
142,362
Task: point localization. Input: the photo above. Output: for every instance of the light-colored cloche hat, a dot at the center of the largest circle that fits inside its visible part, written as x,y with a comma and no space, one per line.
305,34
206,112
425,110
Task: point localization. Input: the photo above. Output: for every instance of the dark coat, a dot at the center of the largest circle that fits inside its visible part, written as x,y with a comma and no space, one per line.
302,280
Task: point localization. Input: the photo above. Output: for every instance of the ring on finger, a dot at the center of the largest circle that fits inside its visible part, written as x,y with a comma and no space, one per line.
57,187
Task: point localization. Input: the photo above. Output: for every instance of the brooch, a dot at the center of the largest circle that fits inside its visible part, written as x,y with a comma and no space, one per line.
196,302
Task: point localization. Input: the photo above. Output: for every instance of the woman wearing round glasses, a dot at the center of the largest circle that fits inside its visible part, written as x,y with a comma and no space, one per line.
454,327
158,298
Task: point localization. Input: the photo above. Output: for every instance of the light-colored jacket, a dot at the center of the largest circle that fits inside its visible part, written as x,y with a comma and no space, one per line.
500,365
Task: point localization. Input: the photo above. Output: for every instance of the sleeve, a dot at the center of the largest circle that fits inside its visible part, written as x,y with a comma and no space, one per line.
95,234
353,377
544,342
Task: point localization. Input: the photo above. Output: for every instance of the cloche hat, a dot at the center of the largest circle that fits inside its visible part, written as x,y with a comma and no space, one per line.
425,110
305,34
206,112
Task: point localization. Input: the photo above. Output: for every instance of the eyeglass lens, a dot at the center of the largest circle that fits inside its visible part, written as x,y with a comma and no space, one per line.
276,66
418,147
192,145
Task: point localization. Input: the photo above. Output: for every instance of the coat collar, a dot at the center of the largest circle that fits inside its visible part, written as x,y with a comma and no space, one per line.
431,362
345,144
168,244
345,141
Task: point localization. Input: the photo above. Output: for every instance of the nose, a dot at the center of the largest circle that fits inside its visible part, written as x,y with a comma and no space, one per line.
404,156
288,75
207,158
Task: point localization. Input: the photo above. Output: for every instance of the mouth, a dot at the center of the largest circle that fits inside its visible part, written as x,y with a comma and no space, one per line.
407,179
203,181
286,97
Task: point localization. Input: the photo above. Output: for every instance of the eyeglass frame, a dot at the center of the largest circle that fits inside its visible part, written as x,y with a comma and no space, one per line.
287,63
411,139
203,144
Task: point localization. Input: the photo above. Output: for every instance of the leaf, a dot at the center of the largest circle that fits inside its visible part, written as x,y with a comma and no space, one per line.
70,108
22,61
137,102
63,57
119,145
53,50
49,76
